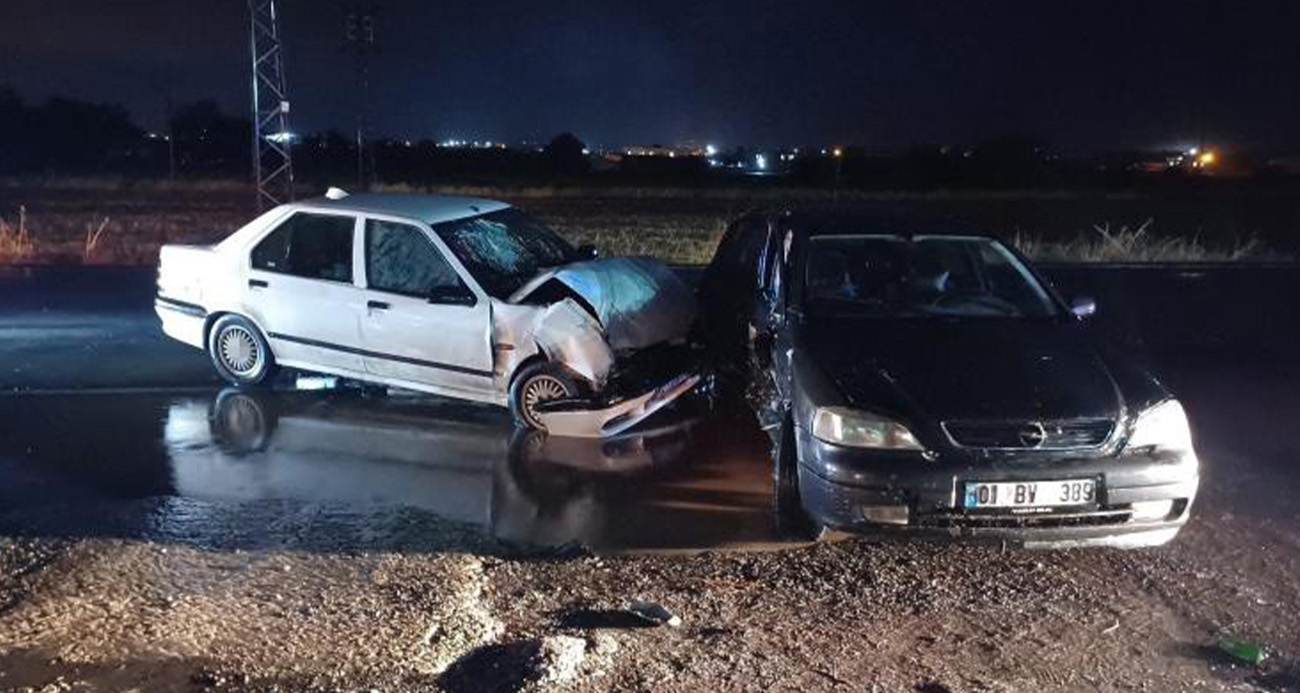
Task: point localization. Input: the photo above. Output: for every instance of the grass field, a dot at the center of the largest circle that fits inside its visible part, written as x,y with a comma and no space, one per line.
109,222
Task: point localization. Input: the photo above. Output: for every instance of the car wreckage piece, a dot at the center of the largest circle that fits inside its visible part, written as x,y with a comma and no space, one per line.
609,308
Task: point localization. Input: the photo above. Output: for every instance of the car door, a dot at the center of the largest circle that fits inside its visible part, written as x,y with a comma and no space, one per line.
425,322
300,290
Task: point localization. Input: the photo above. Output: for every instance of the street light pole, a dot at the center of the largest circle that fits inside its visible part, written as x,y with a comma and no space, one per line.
359,32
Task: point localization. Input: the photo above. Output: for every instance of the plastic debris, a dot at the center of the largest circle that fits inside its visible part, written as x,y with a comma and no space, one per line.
654,613
1243,650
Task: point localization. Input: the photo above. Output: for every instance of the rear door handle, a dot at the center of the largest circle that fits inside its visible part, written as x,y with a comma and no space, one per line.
257,284
378,305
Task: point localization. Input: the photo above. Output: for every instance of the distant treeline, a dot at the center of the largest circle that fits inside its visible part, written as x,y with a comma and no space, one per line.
69,137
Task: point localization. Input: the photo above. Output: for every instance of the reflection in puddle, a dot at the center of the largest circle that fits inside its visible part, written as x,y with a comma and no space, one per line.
280,467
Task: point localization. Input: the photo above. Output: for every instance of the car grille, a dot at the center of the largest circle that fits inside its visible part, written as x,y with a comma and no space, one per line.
1029,435
1103,516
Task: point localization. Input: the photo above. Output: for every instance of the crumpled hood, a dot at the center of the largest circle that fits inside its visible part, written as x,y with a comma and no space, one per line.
943,370
639,301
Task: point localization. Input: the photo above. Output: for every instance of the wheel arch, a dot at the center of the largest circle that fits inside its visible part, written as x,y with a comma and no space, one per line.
212,318
535,358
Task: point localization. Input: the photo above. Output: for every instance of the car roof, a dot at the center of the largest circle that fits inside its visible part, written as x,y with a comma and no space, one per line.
828,221
431,209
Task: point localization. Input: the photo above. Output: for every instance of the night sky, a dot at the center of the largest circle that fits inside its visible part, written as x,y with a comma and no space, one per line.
1081,75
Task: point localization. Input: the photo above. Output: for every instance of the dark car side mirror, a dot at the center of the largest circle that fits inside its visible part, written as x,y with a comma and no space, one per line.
1083,307
457,295
588,251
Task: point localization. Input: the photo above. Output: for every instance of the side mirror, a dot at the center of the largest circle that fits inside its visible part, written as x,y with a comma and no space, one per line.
457,295
1083,307
587,251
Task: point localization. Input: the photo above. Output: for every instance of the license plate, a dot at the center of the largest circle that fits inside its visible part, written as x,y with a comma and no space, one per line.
1030,494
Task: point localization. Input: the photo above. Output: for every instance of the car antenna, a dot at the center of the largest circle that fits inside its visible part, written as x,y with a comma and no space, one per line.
335,194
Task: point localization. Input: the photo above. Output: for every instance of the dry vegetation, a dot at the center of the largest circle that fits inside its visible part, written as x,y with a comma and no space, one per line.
113,222
1138,245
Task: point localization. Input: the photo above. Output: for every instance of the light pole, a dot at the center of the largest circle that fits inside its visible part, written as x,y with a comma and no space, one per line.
359,34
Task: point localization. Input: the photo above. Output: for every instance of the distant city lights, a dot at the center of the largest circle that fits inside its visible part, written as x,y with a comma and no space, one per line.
471,144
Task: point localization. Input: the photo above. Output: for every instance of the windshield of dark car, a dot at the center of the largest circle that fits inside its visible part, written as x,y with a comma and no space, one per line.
504,249
920,276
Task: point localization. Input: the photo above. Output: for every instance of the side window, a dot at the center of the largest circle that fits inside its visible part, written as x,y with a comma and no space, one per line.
402,260
314,246
777,250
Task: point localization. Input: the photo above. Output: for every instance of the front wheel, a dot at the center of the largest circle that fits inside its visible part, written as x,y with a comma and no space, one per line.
239,352
792,521
535,384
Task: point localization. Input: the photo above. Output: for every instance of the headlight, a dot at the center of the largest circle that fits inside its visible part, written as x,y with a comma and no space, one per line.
860,429
1163,426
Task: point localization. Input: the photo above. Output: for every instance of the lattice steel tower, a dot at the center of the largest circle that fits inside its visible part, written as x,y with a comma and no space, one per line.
272,162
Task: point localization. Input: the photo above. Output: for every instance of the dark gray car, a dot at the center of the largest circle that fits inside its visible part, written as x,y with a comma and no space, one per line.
922,378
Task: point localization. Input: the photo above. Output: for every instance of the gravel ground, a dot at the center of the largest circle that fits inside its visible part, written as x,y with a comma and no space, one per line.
104,615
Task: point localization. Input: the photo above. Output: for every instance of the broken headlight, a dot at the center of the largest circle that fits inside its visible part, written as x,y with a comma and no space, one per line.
1162,427
860,429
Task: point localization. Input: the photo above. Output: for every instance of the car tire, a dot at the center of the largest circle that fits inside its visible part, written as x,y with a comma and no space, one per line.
792,521
239,352
541,382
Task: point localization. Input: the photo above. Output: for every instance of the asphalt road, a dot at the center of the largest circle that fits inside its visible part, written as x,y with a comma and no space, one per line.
120,454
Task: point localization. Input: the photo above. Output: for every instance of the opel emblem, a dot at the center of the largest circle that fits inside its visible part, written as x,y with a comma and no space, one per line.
1032,435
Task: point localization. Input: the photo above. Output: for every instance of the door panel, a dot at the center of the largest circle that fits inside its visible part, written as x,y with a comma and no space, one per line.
299,290
417,325
309,320
440,345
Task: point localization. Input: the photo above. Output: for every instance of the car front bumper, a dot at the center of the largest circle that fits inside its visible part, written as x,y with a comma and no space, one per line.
886,494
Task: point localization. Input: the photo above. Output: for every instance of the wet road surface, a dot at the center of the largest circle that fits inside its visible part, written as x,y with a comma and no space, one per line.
157,530
338,470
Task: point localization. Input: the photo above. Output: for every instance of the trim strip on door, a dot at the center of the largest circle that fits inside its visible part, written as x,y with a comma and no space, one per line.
377,355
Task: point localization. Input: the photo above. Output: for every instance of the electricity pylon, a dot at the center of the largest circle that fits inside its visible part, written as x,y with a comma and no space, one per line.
272,162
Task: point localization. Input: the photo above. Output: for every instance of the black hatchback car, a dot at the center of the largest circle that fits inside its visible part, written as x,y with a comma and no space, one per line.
920,378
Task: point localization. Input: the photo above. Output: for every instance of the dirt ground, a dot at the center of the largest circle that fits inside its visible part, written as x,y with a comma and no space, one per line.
103,615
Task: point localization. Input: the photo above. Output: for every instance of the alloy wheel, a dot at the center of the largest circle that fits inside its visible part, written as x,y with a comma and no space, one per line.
239,351
542,388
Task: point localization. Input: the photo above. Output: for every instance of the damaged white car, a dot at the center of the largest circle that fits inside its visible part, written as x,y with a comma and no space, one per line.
455,296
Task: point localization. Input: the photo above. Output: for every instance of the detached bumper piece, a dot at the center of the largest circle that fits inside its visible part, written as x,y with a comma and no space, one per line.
597,419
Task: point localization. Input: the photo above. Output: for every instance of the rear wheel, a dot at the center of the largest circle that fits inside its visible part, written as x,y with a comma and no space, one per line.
536,384
239,352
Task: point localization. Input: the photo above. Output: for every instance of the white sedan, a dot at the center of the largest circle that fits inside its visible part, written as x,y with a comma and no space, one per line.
455,296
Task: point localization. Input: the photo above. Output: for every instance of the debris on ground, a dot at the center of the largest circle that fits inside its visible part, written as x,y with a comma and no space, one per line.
654,613
1242,650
